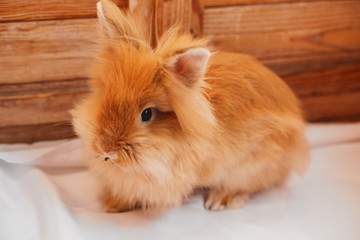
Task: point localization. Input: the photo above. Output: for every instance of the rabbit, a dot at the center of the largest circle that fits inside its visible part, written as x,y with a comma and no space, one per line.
163,120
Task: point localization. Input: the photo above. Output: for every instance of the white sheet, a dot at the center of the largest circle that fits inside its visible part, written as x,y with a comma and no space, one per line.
46,193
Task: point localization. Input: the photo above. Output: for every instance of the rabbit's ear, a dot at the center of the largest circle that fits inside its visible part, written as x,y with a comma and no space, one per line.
190,66
116,24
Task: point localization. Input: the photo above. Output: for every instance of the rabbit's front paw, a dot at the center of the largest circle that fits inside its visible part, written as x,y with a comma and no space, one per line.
218,200
113,205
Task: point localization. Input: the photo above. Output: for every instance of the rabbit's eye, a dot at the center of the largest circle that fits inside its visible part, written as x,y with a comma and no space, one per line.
146,115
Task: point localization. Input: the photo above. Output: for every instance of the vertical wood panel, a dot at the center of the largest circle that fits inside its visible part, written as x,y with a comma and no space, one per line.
164,14
172,12
197,17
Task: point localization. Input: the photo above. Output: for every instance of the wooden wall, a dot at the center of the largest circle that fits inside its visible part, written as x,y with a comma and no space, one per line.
45,51
46,48
313,45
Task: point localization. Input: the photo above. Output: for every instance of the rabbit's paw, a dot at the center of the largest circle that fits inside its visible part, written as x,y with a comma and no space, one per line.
218,200
113,205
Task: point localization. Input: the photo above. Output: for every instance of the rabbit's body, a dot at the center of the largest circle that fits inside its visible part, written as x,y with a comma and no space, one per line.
222,122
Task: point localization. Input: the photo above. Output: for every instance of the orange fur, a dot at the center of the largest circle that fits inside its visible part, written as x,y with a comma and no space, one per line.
228,124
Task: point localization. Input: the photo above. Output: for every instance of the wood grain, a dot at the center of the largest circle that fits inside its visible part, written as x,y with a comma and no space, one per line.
46,50
188,15
322,80
172,12
62,49
313,46
39,103
197,16
30,10
288,35
342,106
34,103
37,132
217,3
336,107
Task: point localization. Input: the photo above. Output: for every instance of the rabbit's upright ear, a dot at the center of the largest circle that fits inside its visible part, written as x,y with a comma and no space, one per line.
116,24
190,66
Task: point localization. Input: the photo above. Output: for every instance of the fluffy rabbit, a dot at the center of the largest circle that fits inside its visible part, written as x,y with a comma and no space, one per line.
161,121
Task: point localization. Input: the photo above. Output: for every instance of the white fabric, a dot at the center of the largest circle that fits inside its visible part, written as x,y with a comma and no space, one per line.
47,193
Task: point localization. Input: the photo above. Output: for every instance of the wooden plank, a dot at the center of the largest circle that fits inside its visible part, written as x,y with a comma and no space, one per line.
145,11
172,12
288,35
39,111
39,103
335,107
38,132
164,14
35,103
197,18
218,3
30,10
343,106
46,50
322,80
62,49
314,47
